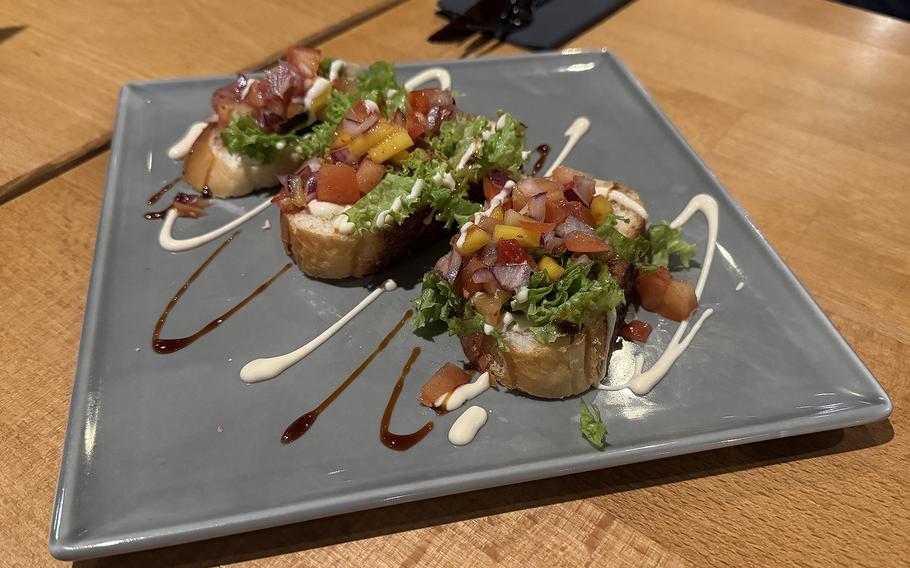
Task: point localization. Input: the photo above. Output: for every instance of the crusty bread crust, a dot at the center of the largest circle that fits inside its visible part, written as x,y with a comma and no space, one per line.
573,363
209,164
320,251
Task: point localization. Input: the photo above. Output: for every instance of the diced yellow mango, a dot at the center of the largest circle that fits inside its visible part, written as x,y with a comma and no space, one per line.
526,238
474,239
394,144
379,132
497,213
320,101
400,157
601,208
341,139
515,218
552,268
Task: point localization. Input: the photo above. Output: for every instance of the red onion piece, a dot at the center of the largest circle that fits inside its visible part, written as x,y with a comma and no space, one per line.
584,188
512,276
353,127
489,254
582,259
482,275
573,224
537,207
344,154
552,243
447,266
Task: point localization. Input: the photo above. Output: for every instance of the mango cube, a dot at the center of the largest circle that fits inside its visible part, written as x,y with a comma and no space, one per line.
497,213
601,209
474,239
395,143
526,238
551,267
515,218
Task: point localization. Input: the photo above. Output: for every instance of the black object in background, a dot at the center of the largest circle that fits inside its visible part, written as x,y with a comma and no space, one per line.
552,22
895,8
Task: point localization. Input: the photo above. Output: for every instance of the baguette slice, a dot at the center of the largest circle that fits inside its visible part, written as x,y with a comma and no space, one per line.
209,164
320,251
572,364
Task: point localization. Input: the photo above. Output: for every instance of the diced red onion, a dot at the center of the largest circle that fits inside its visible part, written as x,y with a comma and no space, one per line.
499,179
488,254
512,276
310,187
280,78
353,127
582,259
447,266
537,207
573,224
552,243
344,154
483,275
399,118
584,188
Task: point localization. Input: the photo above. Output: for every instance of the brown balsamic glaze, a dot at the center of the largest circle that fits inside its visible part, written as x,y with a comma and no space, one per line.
300,426
167,187
542,152
401,442
170,345
205,192
155,215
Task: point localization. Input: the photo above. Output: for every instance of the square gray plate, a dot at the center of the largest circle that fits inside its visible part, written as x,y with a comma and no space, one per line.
145,464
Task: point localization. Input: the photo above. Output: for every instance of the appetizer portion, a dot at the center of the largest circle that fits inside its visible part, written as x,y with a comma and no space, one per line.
537,285
397,166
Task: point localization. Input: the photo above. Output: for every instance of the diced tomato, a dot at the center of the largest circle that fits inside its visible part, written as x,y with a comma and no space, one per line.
489,306
416,124
679,300
418,101
539,227
369,174
305,60
557,211
577,241
337,183
448,378
509,251
564,175
344,84
652,287
577,209
635,330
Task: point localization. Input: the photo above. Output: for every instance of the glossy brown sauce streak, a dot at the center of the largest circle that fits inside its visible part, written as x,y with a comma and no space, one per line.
300,426
165,346
441,409
401,442
167,187
542,152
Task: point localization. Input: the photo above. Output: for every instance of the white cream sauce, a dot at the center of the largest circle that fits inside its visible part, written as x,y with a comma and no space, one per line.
325,209
468,424
320,86
740,286
384,216
575,132
464,393
627,202
270,367
182,147
168,242
643,381
335,68
343,225
437,74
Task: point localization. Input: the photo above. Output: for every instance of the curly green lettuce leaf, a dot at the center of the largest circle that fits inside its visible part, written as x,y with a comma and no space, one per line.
455,137
243,136
439,303
666,241
503,148
374,83
583,292
325,66
393,186
592,425
634,250
452,206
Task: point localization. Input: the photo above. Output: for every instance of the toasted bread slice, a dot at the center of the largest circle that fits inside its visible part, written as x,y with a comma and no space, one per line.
320,251
573,363
209,164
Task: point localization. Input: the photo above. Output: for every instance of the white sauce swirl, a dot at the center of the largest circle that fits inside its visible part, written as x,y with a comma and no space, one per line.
320,86
575,132
182,147
643,381
270,367
464,393
168,242
468,424
438,74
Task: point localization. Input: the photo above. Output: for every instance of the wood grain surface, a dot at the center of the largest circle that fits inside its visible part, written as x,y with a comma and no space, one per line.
800,109
64,62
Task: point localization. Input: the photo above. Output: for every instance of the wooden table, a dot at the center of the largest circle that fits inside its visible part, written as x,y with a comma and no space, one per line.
801,109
